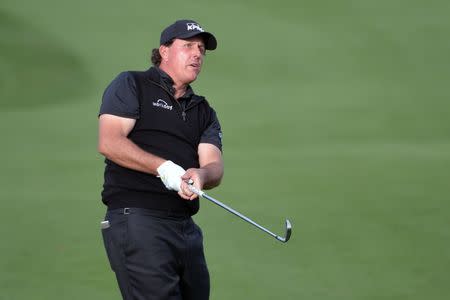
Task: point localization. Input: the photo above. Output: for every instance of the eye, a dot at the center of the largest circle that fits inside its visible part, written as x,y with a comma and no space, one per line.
191,46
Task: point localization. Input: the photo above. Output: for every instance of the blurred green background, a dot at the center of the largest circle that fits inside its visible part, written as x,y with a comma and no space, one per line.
335,114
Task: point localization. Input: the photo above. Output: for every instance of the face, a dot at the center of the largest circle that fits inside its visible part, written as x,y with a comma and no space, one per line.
183,59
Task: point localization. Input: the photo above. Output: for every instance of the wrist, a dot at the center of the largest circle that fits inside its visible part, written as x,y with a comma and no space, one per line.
163,167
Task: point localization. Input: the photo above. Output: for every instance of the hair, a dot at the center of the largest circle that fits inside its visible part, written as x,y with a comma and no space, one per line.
156,56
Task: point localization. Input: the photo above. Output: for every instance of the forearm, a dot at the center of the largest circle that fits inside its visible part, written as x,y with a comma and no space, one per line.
213,173
127,154
208,175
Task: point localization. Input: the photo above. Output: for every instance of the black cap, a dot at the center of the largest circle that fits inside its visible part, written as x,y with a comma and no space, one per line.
184,29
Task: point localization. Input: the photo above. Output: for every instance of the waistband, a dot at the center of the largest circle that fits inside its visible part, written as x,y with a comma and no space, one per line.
151,212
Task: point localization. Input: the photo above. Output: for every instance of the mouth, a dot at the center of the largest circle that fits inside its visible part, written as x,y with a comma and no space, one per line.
196,66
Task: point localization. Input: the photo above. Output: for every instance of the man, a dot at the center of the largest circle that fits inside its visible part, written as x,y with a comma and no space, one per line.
157,135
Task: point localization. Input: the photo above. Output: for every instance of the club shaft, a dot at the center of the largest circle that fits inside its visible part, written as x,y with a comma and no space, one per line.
217,202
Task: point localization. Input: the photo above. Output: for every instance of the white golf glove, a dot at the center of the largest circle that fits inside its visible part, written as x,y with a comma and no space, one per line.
170,174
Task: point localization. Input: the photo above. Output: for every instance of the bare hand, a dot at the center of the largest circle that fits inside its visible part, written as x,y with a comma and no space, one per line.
197,176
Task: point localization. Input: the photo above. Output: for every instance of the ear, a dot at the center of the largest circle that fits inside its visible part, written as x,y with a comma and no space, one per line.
164,52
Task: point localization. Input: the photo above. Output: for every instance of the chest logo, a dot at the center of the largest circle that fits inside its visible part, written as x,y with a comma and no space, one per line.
163,104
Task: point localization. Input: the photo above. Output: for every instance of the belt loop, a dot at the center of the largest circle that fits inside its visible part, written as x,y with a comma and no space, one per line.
126,211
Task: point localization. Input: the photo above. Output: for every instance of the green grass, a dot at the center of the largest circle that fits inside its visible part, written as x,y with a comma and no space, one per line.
335,114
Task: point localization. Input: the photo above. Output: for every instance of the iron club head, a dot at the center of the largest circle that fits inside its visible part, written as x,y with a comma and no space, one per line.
288,233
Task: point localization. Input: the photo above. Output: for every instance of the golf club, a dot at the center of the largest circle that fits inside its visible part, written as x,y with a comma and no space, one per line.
200,193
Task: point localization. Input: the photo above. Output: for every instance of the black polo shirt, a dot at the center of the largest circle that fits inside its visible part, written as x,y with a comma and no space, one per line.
162,128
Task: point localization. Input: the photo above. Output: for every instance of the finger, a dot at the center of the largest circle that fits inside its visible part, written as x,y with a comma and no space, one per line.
182,195
188,193
193,194
187,175
186,190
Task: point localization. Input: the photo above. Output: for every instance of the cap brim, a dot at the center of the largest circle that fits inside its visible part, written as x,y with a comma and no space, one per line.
209,38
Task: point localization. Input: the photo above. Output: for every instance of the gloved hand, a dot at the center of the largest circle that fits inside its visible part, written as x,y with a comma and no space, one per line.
170,174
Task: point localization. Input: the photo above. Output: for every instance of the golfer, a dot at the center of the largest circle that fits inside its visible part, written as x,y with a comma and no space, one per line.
156,134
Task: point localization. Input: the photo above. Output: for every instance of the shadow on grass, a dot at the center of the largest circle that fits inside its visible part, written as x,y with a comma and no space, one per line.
36,70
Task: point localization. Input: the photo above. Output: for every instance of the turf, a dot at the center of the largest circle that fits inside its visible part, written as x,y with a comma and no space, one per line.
335,114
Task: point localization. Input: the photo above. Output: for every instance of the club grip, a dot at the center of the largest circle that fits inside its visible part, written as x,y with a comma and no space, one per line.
194,189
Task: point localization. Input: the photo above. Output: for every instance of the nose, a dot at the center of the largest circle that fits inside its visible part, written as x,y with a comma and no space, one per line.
198,50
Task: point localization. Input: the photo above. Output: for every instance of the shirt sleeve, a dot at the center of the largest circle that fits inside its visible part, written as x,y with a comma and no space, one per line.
213,133
120,97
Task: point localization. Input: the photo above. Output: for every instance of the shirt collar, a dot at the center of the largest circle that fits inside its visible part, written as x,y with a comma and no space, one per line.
167,81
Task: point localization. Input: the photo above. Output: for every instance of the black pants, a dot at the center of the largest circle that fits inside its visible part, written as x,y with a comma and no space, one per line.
156,256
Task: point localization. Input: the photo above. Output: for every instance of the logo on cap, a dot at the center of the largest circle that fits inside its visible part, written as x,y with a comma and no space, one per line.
194,26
